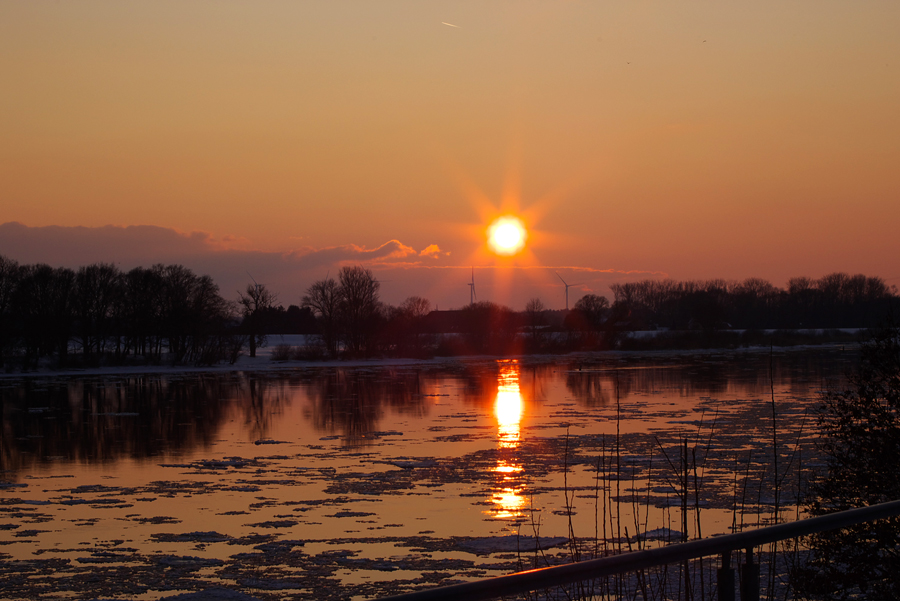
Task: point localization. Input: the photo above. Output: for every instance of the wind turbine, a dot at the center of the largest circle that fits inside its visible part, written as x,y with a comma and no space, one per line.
567,288
255,283
472,295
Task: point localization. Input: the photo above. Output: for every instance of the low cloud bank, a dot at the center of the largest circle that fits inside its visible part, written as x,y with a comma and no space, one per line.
288,273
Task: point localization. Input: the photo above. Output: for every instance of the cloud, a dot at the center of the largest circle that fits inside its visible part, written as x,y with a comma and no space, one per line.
350,253
433,251
71,246
135,245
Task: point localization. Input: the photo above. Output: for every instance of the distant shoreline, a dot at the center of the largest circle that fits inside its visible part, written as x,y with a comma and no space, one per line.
264,363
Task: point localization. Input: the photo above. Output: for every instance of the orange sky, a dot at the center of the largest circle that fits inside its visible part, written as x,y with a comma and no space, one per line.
688,139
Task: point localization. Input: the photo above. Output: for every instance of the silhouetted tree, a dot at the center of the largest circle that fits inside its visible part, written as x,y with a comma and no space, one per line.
299,320
210,316
706,308
409,319
10,274
587,320
594,308
416,307
834,301
187,313
861,440
177,287
98,289
254,303
534,311
43,303
43,310
359,307
324,299
490,328
139,316
751,303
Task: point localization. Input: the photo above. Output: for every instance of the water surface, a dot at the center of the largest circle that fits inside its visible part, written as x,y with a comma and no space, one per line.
337,482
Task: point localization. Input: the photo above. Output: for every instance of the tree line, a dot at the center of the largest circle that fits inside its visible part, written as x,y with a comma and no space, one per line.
99,311
837,300
166,313
353,320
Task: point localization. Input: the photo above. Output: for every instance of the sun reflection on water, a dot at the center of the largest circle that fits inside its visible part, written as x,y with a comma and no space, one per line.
508,406
508,499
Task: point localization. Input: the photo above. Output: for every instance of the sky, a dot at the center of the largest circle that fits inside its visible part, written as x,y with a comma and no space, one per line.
280,141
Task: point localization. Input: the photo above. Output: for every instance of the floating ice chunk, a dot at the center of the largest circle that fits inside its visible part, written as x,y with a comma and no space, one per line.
116,502
212,464
350,514
497,544
275,524
105,557
213,594
270,584
412,463
666,534
280,546
188,562
193,537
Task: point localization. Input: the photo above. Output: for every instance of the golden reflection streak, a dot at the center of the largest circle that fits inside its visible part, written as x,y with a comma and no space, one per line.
510,503
508,406
508,409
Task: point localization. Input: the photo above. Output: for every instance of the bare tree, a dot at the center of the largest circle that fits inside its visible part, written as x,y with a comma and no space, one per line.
324,299
414,309
139,315
594,308
10,273
43,303
178,284
97,290
254,303
535,311
359,306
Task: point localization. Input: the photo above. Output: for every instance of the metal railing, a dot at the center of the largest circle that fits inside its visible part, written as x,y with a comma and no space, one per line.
542,578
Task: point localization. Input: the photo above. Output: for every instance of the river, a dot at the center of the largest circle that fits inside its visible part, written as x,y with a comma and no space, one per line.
353,482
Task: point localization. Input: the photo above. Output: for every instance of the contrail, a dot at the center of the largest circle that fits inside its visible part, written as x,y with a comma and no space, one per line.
449,24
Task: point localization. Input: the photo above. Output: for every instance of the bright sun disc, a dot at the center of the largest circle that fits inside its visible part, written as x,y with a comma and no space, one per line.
506,236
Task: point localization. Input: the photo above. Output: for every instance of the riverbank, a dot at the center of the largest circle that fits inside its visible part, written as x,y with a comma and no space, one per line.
645,343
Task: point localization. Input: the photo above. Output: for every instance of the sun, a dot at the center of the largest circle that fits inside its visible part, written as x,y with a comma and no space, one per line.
507,235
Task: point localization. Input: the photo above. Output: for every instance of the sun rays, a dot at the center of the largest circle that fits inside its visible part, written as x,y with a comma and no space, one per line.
506,246
507,235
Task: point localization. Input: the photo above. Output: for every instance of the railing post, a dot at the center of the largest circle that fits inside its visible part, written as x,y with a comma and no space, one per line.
725,578
750,578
